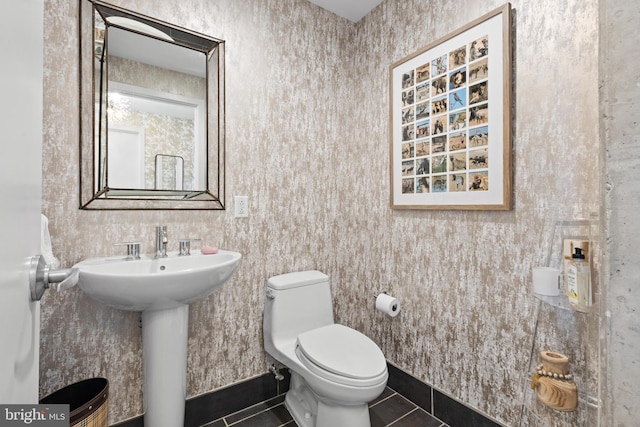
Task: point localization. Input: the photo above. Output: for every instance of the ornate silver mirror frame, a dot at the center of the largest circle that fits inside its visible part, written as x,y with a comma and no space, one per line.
148,89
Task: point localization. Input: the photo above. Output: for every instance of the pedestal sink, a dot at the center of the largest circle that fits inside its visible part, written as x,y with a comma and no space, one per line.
161,289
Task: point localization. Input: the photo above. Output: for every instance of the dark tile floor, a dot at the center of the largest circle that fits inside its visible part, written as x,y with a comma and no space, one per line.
390,409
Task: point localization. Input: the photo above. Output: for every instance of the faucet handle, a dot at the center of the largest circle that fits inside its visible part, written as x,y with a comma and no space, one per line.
133,249
185,246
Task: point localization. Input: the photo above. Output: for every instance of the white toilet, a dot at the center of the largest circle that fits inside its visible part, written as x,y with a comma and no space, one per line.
335,370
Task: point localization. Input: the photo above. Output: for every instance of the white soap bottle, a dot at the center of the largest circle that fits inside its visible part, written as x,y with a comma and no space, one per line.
579,281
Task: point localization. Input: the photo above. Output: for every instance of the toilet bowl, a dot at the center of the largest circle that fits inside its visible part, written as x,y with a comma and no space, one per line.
335,370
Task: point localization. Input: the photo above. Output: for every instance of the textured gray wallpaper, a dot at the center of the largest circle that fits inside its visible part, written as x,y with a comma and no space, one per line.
307,141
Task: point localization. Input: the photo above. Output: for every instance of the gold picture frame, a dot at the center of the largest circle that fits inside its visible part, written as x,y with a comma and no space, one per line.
450,115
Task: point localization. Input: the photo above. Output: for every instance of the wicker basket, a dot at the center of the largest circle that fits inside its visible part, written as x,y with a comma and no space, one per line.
87,400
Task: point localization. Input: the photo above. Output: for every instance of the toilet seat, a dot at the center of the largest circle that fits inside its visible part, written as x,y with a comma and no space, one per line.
343,355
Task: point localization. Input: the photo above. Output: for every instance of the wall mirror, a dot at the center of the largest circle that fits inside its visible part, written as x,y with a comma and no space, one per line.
151,113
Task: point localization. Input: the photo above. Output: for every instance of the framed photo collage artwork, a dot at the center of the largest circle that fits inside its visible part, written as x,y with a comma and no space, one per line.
450,112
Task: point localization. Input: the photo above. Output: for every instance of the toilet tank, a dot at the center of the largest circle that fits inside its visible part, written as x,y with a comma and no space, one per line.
295,303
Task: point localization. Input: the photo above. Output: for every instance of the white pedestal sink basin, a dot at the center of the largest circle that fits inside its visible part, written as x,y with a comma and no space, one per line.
161,289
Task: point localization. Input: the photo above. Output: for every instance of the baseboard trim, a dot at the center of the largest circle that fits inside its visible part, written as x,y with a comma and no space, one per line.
219,403
442,406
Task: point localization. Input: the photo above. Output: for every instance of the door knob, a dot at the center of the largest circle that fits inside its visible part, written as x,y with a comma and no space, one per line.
41,277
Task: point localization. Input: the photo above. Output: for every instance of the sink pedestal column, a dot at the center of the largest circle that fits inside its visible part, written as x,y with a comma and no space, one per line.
164,352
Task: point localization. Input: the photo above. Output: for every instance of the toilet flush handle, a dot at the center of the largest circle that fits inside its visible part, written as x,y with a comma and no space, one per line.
270,293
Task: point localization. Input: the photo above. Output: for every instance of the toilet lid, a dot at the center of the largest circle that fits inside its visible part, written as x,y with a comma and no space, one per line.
342,351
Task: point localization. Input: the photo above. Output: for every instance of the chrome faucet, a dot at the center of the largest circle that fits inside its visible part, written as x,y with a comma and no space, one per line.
161,241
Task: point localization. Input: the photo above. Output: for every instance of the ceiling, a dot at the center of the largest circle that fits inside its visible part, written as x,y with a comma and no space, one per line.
353,10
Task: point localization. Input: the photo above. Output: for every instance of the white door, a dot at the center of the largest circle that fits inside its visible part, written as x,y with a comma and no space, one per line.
126,158
21,44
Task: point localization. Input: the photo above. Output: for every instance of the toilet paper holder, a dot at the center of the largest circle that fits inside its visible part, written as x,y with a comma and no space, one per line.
392,310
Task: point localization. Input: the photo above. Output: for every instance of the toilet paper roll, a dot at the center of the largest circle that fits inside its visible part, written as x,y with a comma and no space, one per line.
387,305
